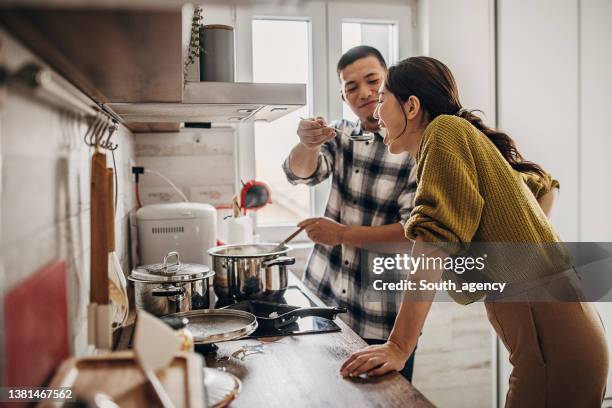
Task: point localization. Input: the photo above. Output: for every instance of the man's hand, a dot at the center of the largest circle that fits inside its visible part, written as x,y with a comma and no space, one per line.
324,230
314,132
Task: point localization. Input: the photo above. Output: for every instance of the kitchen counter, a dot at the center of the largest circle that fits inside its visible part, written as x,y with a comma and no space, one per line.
303,371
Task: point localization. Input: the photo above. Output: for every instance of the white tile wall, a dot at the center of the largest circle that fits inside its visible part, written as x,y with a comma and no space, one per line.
199,161
45,193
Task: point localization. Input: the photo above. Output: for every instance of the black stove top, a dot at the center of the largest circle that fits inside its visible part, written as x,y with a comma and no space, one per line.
294,296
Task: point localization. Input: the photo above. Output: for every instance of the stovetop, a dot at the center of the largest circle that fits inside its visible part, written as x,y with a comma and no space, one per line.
294,296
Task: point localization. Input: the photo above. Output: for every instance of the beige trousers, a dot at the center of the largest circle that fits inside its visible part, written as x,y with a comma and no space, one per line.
558,352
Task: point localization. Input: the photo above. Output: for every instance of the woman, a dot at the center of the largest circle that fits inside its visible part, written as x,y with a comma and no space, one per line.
474,186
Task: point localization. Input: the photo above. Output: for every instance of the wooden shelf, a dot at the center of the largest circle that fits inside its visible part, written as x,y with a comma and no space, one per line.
110,55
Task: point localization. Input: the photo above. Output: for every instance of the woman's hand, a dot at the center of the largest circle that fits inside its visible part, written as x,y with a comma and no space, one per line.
375,360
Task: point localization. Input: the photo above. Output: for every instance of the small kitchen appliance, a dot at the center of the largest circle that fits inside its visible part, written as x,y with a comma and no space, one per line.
188,228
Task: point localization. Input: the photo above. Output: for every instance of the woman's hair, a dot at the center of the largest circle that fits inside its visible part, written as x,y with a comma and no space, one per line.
432,82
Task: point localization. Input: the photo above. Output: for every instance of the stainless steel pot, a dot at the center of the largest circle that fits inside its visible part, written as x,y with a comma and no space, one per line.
249,271
174,287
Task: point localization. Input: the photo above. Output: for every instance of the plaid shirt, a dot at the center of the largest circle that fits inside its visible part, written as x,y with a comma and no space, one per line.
370,187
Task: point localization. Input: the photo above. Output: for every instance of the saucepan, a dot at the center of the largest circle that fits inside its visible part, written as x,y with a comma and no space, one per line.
250,271
171,286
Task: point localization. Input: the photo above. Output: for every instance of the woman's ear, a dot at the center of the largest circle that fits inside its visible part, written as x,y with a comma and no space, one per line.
412,106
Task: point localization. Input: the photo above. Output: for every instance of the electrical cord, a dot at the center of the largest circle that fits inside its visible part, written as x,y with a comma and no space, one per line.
167,180
138,203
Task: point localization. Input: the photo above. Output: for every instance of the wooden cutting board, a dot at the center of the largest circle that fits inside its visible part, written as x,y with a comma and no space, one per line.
98,284
117,375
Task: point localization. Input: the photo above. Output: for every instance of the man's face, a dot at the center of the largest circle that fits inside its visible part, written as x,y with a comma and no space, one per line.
360,82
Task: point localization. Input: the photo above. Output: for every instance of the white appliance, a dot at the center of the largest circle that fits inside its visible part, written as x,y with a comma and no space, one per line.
189,228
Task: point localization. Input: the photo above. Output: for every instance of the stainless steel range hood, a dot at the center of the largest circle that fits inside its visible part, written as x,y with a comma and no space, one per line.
219,102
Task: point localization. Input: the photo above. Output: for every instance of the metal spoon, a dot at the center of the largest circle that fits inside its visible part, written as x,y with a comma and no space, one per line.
365,135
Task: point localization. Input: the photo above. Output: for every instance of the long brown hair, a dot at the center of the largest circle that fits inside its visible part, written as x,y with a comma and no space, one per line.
432,82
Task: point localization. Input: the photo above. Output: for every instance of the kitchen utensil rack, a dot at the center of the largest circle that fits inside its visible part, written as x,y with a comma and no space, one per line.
46,86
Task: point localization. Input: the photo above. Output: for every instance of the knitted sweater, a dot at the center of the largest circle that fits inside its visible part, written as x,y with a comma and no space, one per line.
467,193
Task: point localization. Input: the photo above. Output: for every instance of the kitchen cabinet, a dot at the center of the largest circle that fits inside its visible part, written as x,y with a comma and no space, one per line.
109,54
303,371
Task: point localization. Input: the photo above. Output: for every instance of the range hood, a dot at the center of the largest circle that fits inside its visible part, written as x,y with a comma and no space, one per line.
219,102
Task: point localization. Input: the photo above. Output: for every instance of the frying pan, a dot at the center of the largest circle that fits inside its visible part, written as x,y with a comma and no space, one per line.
276,316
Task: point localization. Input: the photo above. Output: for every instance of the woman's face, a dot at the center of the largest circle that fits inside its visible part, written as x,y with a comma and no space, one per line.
390,116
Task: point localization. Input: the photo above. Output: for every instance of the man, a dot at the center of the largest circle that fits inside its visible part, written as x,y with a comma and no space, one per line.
370,199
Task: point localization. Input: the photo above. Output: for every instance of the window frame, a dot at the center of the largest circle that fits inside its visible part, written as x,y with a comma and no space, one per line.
402,17
314,14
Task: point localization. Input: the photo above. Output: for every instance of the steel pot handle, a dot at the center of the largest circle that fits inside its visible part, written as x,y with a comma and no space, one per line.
168,256
163,291
281,260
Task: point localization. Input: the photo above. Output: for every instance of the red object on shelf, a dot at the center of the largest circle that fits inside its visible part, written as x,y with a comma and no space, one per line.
255,195
36,327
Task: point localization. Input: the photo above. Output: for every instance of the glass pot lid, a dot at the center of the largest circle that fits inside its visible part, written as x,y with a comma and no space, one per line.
171,271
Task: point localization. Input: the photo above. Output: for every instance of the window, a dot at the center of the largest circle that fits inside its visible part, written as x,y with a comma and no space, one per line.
301,42
280,54
381,36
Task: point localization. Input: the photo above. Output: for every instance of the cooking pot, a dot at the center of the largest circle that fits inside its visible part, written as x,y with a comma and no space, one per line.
171,287
250,271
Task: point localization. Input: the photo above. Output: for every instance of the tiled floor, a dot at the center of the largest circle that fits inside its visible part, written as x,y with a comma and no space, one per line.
453,362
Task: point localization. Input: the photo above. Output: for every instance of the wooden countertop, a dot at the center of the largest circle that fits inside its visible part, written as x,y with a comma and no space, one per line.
303,371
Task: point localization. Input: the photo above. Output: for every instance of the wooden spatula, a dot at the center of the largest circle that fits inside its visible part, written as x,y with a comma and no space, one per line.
99,309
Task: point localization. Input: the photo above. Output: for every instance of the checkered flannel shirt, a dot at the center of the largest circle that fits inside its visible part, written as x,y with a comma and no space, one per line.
370,187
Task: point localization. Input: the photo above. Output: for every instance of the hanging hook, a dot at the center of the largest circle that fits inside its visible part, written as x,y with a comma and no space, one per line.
100,135
89,129
92,131
107,144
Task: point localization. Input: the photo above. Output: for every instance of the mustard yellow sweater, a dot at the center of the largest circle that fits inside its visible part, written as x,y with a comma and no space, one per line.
467,193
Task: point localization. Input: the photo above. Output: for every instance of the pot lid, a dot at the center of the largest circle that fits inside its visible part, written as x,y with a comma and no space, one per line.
171,271
248,250
216,325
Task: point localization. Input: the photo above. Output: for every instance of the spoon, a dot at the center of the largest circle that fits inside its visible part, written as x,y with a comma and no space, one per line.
365,135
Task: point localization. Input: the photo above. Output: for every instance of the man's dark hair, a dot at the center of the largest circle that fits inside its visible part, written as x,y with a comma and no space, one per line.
359,52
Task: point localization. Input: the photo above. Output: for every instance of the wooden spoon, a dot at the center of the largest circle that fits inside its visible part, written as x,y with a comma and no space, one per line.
286,240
